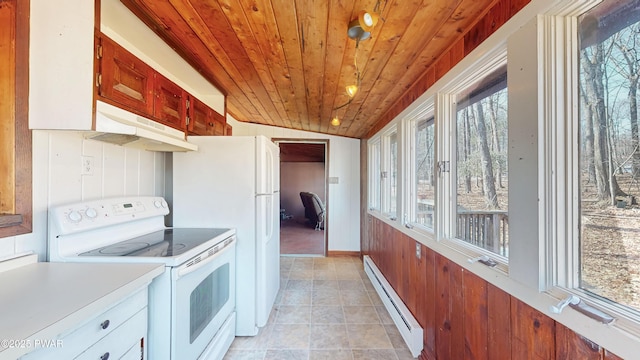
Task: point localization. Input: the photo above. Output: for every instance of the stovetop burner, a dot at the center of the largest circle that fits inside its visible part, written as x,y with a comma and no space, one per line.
123,248
162,243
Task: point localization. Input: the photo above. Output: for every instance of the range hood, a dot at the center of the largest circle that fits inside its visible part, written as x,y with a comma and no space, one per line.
121,127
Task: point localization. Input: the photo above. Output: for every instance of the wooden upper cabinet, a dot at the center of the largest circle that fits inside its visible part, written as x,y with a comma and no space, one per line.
204,120
199,118
219,124
126,81
124,78
170,104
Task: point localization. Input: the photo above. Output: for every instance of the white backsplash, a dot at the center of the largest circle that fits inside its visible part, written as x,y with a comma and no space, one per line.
58,179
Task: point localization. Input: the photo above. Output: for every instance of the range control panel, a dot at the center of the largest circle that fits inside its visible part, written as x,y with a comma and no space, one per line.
95,214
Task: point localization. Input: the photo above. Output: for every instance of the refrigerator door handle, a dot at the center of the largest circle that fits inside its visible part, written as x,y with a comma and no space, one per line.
269,170
268,216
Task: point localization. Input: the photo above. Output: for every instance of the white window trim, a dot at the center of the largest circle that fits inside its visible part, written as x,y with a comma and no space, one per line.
374,146
385,168
561,126
423,112
446,117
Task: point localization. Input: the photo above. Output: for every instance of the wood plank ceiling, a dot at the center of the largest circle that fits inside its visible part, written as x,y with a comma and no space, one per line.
301,152
286,62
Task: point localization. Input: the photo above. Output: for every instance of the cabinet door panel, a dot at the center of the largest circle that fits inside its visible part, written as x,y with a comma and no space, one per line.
125,78
170,103
204,120
219,124
200,120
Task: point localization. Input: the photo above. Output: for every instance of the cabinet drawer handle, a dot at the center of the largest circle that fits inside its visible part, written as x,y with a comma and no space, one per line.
104,326
210,124
105,356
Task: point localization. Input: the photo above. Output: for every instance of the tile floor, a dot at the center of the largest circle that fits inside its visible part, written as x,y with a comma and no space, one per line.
326,309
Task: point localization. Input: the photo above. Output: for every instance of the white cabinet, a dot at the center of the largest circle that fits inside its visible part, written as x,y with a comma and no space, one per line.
125,340
59,310
118,332
61,65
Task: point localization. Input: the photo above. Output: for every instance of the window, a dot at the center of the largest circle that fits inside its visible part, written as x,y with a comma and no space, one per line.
481,164
390,173
609,152
422,177
374,174
15,137
383,173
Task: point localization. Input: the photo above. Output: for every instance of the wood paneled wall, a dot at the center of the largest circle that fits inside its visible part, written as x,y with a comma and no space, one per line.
464,316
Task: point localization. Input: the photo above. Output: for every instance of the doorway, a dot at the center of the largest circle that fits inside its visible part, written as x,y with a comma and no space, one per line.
303,196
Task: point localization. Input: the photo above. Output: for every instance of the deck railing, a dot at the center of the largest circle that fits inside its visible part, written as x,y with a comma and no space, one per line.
425,213
488,229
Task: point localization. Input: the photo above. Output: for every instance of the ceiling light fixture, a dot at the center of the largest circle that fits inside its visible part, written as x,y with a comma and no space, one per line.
351,90
367,20
359,29
356,31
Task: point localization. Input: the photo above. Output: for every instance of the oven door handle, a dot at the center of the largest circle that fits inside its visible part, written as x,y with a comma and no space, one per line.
183,271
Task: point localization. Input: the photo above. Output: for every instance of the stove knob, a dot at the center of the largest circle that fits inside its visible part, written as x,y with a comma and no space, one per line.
164,204
157,203
74,216
91,213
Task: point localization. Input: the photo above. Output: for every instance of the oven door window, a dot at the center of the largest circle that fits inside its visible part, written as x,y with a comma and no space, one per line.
203,297
207,299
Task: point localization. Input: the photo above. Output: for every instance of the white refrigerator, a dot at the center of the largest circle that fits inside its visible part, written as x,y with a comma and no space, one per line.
234,181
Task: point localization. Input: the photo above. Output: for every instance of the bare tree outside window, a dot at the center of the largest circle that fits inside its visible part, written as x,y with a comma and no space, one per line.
393,174
374,175
423,165
609,152
481,164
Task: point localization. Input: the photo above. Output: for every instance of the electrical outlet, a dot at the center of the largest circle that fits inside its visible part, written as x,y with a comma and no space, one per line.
87,165
418,250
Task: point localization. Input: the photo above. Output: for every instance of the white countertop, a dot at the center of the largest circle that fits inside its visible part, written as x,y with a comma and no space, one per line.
42,300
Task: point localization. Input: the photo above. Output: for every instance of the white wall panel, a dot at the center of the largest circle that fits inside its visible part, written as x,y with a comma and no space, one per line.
160,176
61,64
131,174
92,183
146,173
58,179
7,246
65,182
114,172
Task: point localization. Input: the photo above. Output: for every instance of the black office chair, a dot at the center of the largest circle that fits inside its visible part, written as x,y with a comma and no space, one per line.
313,209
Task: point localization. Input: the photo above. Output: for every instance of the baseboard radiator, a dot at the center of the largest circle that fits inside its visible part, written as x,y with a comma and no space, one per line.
409,328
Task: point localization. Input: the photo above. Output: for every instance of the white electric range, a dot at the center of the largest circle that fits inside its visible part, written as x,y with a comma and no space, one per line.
192,304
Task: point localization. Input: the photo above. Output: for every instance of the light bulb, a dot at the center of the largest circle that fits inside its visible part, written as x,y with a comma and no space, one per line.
374,18
368,19
352,90
335,121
